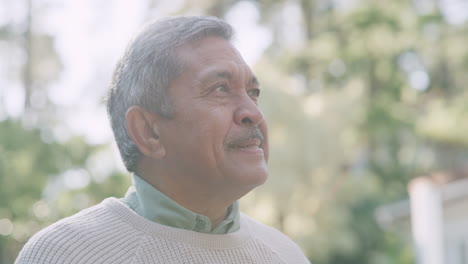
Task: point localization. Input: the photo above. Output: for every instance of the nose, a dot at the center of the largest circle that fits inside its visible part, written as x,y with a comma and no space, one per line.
248,113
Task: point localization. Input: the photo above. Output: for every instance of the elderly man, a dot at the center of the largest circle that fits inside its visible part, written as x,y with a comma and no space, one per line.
184,111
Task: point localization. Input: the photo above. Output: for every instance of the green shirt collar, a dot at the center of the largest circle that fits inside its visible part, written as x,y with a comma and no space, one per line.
155,206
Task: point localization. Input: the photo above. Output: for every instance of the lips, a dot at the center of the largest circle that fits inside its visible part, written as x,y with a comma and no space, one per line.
247,144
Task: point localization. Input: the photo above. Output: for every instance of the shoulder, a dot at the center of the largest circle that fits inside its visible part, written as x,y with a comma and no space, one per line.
281,244
78,238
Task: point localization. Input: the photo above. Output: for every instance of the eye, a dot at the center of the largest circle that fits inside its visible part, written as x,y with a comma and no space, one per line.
254,93
221,88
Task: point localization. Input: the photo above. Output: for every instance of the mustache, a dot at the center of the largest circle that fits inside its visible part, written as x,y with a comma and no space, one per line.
249,134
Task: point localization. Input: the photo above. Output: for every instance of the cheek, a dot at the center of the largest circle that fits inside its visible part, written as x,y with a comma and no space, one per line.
205,127
208,133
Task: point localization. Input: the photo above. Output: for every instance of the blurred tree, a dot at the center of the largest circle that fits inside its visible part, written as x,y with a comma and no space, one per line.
369,95
30,57
33,183
42,176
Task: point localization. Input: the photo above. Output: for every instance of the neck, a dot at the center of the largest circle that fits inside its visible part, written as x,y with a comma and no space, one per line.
212,207
196,197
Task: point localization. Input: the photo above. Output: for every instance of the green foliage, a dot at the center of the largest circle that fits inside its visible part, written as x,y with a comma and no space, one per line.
353,144
28,166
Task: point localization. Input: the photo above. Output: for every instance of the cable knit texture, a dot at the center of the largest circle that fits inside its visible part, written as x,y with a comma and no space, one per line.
110,232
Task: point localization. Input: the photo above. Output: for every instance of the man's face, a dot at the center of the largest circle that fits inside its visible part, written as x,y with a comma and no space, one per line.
218,136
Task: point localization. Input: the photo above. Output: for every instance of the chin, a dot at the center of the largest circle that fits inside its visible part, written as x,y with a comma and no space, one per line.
262,178
250,181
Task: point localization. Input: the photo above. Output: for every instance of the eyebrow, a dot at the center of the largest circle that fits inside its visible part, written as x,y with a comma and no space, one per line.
228,76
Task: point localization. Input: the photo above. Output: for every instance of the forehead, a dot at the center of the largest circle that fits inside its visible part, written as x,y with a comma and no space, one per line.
209,56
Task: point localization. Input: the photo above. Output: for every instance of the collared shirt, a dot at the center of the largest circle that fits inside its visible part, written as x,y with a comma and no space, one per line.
155,206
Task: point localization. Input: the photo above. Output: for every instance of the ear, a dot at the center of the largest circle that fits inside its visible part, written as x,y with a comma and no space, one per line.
142,129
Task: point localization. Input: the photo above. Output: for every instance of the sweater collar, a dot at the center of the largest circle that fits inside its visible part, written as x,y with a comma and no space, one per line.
155,206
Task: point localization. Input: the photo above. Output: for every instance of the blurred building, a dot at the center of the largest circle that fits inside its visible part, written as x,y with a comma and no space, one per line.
434,220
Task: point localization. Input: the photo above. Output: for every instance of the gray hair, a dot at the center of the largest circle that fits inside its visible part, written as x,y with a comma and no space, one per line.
143,75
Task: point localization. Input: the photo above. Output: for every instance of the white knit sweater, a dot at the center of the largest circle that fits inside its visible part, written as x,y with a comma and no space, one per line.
110,232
